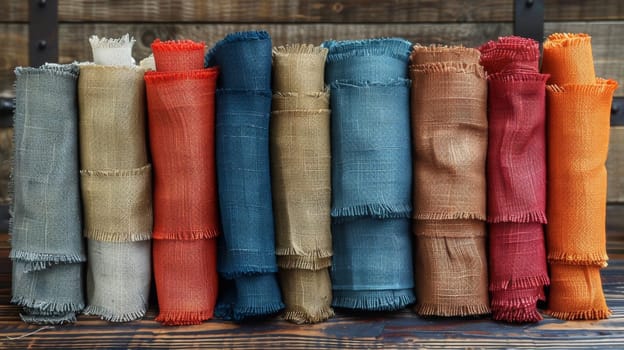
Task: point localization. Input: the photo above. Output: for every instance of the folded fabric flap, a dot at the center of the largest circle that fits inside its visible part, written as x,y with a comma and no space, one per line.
568,58
178,55
112,51
307,295
437,68
449,136
285,101
48,319
117,204
576,293
180,78
510,53
578,129
246,257
54,293
186,280
371,154
452,276
34,261
373,300
443,53
118,280
449,228
257,296
517,298
112,117
372,254
319,259
391,47
517,258
299,67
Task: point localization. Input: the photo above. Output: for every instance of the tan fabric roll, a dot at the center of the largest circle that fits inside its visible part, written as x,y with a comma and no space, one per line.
449,136
299,67
307,295
451,257
301,179
112,117
117,204
442,53
285,101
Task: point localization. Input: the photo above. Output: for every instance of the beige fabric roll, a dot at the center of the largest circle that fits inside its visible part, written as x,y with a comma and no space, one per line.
117,204
442,53
112,117
307,295
286,101
451,257
301,179
299,67
449,136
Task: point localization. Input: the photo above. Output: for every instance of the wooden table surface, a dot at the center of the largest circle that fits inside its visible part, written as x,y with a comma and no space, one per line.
400,330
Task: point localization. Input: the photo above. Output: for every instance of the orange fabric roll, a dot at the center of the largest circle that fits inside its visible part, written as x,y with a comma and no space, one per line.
186,280
576,293
578,140
178,55
568,59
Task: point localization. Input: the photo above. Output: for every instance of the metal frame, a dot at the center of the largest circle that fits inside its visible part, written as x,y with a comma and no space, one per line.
43,32
529,19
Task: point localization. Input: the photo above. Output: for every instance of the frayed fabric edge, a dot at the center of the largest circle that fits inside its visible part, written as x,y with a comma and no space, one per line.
299,315
520,283
110,316
378,211
45,306
448,216
252,312
517,315
592,314
588,259
389,300
69,317
192,235
451,310
118,237
534,216
182,318
291,262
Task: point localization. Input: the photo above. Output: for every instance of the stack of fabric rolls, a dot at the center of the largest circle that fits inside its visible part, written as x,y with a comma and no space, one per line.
579,106
247,261
46,238
449,130
180,100
371,174
516,177
301,181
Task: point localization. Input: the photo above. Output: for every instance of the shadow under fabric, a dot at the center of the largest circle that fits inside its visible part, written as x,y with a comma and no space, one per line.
449,137
116,182
46,240
578,107
301,181
246,259
180,100
516,177
371,174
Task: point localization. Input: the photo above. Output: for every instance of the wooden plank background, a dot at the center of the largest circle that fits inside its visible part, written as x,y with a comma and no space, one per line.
466,22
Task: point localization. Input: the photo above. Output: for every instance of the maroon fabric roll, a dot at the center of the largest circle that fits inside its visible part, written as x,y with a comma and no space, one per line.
516,174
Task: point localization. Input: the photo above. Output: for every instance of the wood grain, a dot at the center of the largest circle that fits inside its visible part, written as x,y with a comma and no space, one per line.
14,39
319,11
615,165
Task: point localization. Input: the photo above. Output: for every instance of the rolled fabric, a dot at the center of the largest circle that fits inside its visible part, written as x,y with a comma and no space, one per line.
449,133
372,60
372,264
371,154
118,279
578,137
186,280
116,181
46,223
516,166
299,68
296,101
307,295
441,53
450,255
247,246
182,130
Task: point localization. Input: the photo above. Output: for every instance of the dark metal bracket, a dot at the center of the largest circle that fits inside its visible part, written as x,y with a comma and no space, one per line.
43,32
617,112
529,19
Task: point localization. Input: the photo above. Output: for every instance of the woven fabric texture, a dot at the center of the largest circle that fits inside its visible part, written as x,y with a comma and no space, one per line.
46,223
578,108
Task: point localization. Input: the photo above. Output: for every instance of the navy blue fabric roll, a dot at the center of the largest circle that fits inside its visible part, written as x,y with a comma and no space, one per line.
246,253
371,149
372,264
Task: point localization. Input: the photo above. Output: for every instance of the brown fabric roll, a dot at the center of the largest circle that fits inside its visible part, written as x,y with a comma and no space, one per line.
300,168
307,295
451,257
286,101
442,53
449,136
112,117
117,204
576,293
296,67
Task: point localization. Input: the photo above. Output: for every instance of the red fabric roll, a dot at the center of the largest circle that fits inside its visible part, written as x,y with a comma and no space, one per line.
186,280
516,174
